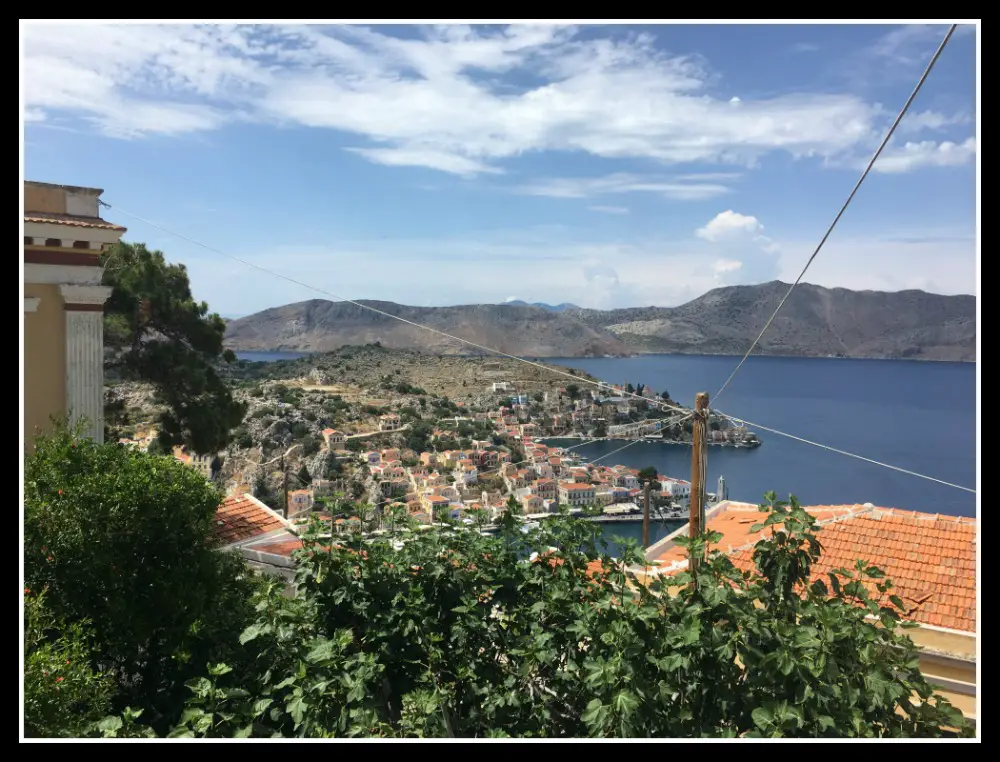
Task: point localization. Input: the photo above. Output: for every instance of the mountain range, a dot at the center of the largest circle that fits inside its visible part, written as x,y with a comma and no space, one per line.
815,321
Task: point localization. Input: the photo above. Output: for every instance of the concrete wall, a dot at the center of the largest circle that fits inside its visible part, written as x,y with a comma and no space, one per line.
948,661
44,360
61,199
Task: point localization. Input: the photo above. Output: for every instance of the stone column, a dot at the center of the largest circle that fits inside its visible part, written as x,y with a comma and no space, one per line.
84,307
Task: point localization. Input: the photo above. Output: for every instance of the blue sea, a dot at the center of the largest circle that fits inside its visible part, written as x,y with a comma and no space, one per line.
920,416
270,356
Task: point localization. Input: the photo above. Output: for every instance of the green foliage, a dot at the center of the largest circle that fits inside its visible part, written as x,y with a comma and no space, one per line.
160,335
304,478
63,694
446,633
242,438
456,634
573,391
119,539
648,474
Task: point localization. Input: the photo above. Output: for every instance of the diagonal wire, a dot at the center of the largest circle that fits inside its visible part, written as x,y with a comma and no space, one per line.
843,209
844,452
490,350
634,441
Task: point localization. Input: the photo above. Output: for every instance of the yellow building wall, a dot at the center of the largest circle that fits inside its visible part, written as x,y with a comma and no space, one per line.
44,360
42,199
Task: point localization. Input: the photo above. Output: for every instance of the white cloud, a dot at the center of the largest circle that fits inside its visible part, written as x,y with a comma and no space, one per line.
609,209
428,158
685,188
34,115
451,98
931,120
913,44
941,262
730,226
726,266
928,153
805,47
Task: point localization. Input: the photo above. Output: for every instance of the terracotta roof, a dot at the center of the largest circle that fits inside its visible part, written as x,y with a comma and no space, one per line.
285,548
930,558
244,517
69,219
576,486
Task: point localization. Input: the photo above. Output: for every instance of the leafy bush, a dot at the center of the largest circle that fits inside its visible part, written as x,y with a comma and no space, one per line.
119,539
64,696
463,635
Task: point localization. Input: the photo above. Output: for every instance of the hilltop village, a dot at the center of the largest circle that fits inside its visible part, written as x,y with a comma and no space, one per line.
423,438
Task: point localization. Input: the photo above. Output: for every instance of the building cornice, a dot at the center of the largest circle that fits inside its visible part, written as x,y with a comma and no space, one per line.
57,274
88,295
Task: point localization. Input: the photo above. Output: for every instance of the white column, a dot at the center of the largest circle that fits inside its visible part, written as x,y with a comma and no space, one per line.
85,355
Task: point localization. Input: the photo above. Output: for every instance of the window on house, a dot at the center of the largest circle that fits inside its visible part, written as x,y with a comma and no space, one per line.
53,242
81,244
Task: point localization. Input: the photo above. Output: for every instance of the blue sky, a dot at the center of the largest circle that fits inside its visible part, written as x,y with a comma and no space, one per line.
607,166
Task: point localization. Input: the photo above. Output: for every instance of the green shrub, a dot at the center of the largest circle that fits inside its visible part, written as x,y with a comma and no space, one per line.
64,695
120,540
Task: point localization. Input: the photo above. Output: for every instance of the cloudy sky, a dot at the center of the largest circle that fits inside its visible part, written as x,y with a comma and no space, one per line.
605,166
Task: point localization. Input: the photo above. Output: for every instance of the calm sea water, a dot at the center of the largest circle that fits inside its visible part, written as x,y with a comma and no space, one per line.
270,356
920,416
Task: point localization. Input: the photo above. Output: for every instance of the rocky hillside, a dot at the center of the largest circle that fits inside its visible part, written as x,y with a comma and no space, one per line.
322,326
815,321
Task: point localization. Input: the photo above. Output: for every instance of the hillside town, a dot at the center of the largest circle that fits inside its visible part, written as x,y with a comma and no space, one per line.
309,444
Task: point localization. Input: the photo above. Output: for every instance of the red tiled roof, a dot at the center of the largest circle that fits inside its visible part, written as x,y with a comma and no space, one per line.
243,517
68,219
576,486
931,559
285,548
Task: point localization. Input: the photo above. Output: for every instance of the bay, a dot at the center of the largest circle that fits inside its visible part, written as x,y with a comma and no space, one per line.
920,416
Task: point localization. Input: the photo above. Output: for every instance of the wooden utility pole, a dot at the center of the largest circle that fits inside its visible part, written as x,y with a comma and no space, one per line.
645,516
284,485
696,513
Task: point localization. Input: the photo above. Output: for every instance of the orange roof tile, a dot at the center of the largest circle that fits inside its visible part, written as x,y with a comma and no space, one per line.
285,548
69,219
930,558
243,517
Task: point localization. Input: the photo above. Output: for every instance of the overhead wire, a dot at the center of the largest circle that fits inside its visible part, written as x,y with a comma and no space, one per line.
857,185
843,452
600,384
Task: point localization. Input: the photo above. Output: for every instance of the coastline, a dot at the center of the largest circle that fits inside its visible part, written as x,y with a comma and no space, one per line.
310,352
654,440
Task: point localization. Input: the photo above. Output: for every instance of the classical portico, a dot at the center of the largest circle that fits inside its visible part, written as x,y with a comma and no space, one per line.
64,236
